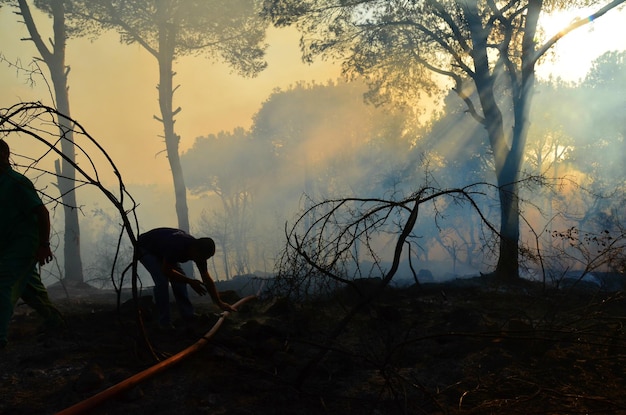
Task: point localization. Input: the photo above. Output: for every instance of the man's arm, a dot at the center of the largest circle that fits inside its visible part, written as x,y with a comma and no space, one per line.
210,285
43,253
173,274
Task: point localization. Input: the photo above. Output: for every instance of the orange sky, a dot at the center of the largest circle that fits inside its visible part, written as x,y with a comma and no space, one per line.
113,93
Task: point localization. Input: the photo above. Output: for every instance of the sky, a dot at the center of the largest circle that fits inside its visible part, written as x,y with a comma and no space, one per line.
574,53
113,93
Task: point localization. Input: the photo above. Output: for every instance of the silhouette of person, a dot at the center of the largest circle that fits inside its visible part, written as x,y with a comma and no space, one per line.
161,251
24,243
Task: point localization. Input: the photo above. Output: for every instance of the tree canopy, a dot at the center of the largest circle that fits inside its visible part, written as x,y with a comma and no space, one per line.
230,31
227,30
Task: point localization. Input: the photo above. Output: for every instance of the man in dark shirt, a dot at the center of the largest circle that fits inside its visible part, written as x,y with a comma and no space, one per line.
161,251
24,243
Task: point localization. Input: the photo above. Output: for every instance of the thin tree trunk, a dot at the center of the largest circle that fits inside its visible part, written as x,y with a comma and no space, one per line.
55,61
172,140
167,40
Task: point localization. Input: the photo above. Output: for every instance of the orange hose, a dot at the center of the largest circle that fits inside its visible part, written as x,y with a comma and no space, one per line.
92,402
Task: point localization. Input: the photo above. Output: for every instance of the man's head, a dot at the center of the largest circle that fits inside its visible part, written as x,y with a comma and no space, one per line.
5,152
204,248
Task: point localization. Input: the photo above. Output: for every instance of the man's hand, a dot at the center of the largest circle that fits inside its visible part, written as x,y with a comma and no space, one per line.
226,307
198,286
43,254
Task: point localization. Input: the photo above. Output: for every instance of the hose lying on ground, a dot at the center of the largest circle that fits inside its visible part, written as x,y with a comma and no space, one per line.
92,402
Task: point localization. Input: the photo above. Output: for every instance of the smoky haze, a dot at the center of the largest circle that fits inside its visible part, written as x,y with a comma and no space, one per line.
256,152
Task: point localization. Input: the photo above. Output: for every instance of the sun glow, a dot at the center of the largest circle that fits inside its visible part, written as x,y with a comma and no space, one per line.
571,57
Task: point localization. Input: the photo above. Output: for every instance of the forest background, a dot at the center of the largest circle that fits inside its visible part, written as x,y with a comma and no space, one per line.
332,144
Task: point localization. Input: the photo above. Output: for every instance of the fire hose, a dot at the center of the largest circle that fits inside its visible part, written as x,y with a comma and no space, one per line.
129,383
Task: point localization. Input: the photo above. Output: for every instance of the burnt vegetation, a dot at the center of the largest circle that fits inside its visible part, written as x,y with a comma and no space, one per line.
462,347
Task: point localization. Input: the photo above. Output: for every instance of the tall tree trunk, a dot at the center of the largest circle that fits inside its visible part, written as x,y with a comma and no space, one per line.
167,39
506,174
165,57
55,61
508,263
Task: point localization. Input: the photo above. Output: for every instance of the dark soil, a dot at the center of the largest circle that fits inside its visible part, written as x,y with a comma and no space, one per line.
464,347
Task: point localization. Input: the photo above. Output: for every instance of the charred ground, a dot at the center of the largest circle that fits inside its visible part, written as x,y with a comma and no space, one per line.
462,347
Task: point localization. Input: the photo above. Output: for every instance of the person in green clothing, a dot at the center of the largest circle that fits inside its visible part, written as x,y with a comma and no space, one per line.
24,243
